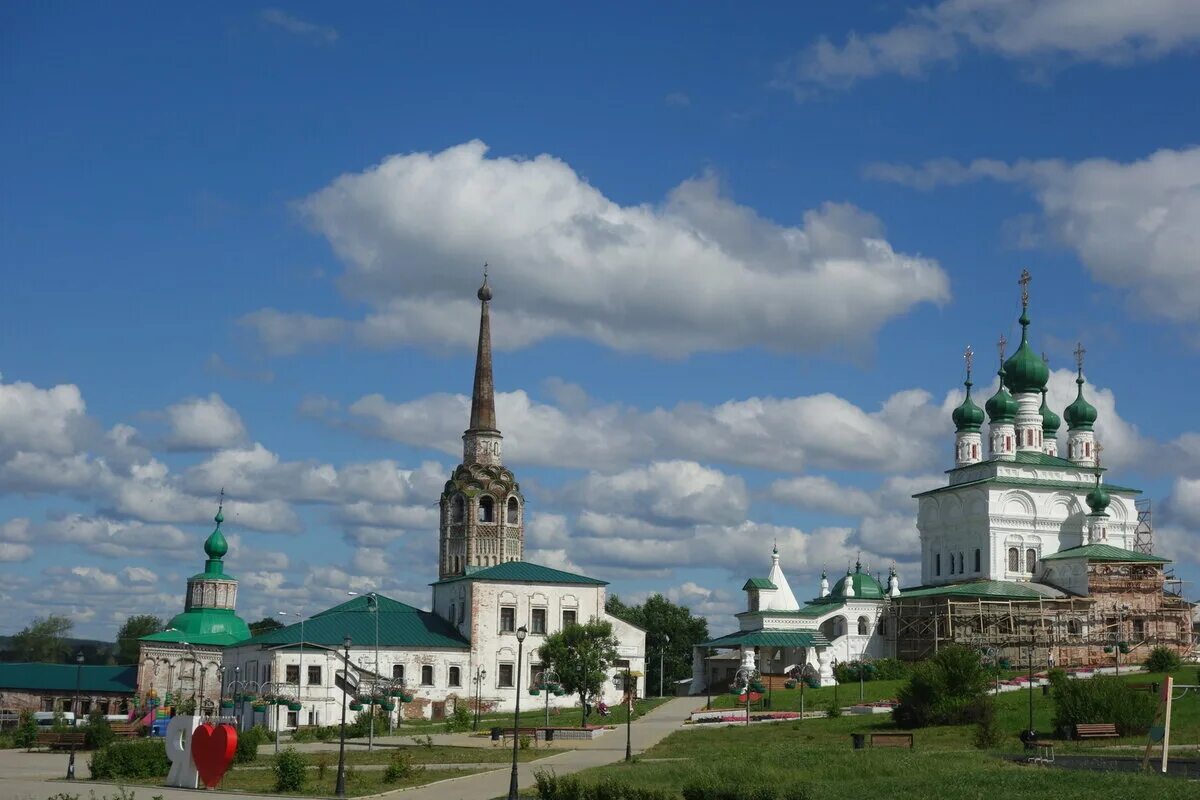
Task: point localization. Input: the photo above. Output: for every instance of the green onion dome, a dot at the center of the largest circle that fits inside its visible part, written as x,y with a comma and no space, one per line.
1097,498
1001,407
215,546
1080,414
864,585
1025,371
968,416
1050,421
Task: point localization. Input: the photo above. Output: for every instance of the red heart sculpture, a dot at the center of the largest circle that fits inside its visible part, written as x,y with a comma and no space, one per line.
213,749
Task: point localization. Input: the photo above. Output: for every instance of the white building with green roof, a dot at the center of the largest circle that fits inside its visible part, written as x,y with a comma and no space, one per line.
1023,540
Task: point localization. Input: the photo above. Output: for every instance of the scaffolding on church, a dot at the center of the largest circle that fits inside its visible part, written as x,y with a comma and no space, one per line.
1078,630
1143,535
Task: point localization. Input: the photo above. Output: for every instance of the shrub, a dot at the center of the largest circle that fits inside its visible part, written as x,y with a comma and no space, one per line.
460,720
59,724
133,758
322,764
891,669
944,690
289,771
1103,699
987,733
399,767
834,710
524,742
98,733
552,787
718,789
248,742
27,730
1163,659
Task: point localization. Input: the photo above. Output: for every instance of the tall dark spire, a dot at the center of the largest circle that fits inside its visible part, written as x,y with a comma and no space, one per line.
483,400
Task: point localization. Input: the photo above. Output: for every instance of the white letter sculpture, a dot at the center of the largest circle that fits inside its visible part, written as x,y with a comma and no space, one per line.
179,751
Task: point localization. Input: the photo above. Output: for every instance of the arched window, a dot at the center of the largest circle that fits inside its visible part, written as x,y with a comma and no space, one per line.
962,564
427,675
514,511
1030,560
458,509
864,626
1014,559
453,609
978,560
455,676
937,564
487,509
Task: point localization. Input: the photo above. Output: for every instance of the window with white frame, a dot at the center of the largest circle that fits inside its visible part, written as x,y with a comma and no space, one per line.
455,676
508,619
427,675
504,677
570,616
537,620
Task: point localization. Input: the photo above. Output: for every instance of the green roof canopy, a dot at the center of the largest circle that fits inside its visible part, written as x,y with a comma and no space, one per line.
400,625
1105,552
1001,590
61,678
813,609
759,583
770,639
524,572
218,627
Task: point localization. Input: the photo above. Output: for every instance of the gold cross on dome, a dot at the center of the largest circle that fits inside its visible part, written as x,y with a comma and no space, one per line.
1003,343
1079,351
969,357
1024,281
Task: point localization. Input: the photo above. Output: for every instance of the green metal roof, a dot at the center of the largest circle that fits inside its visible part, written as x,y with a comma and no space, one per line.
759,583
524,572
400,625
1029,457
61,678
814,609
219,627
1000,590
770,639
1105,552
1029,483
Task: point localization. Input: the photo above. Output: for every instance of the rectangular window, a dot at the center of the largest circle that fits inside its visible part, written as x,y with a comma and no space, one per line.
537,620
398,671
455,676
534,671
292,673
978,559
569,617
314,676
508,619
427,675
293,719
937,564
505,679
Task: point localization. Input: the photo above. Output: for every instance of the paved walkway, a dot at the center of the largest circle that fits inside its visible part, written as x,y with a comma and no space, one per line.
32,776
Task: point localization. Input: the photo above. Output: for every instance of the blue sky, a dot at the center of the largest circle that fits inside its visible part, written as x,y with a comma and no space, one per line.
736,257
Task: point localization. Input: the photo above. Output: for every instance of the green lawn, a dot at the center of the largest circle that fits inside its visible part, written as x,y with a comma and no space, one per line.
358,782
438,754
533,712
945,765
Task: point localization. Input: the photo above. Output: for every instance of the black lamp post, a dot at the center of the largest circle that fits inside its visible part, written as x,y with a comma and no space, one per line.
480,674
629,715
340,789
707,678
512,784
75,709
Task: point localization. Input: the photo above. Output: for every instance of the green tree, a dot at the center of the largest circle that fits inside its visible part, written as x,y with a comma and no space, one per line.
582,656
135,628
44,639
264,625
27,730
671,630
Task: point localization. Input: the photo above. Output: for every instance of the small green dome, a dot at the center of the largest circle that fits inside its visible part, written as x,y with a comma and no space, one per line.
215,545
968,416
1050,421
1080,414
1001,407
865,586
1025,371
1097,498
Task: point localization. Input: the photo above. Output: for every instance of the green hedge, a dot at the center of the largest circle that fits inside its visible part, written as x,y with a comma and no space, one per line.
568,787
948,689
1102,699
248,742
133,758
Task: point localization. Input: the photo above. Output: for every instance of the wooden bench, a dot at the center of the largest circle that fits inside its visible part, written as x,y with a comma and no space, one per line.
59,741
507,732
1096,730
892,740
126,728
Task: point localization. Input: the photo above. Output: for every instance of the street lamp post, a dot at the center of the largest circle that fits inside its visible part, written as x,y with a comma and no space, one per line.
340,788
662,651
743,678
75,710
707,679
863,660
480,674
545,679
512,783
629,715
373,605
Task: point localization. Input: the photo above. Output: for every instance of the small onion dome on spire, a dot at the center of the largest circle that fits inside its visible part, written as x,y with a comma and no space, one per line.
485,291
1097,498
1001,407
1025,371
967,416
1050,421
1080,414
215,546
